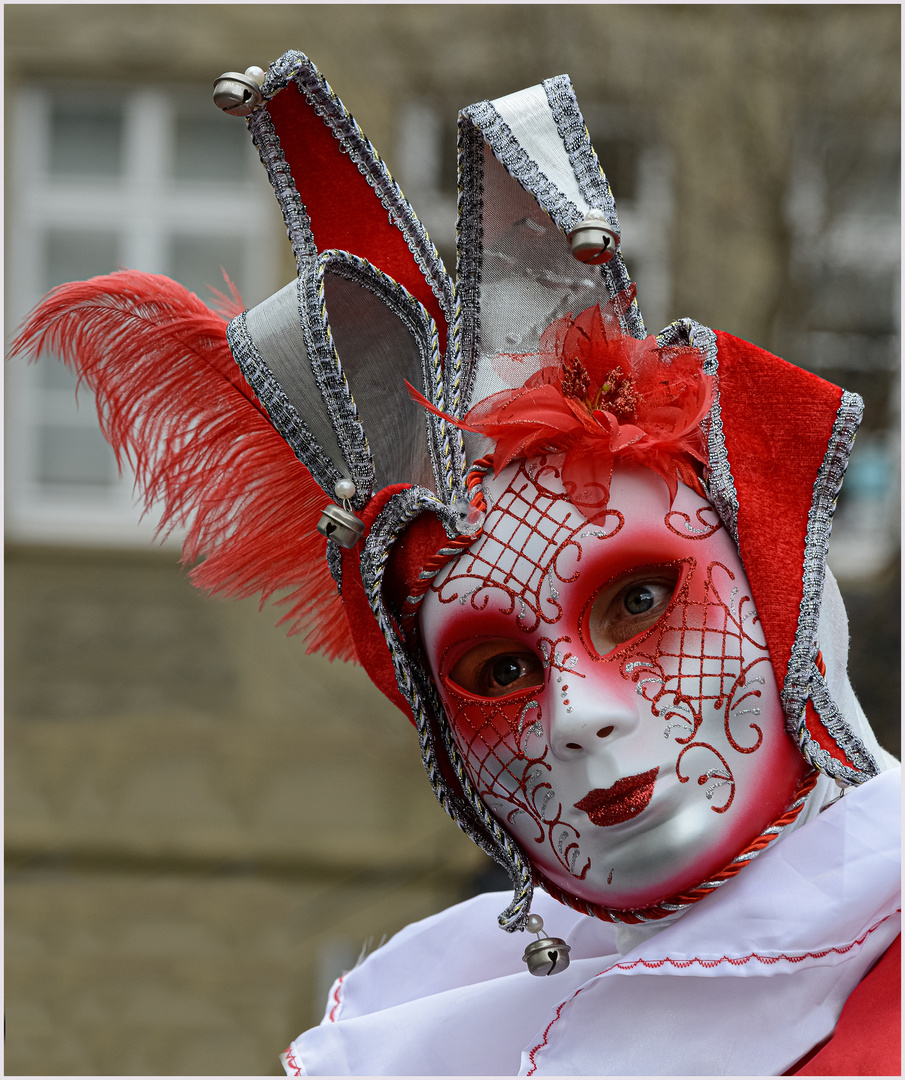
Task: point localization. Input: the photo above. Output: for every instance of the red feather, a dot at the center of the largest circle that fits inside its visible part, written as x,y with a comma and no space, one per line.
173,403
228,306
598,395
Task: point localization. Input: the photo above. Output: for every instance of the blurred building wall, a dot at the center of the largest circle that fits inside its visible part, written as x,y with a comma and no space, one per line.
205,826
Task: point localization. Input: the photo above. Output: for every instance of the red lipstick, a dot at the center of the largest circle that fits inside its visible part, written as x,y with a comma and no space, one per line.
621,802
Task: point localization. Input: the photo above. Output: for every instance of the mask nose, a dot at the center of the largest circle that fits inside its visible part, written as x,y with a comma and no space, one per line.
588,714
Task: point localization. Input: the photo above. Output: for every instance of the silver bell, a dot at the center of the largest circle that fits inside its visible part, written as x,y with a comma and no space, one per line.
340,525
237,94
594,240
547,956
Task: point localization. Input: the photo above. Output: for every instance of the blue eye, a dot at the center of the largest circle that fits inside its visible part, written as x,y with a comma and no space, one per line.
638,599
631,604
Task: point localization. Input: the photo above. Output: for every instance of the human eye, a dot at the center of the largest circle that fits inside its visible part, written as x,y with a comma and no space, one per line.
630,605
497,667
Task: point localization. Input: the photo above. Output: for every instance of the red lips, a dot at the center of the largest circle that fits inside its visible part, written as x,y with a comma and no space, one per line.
621,802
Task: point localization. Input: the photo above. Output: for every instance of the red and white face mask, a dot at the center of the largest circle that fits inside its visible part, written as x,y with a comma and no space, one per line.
608,685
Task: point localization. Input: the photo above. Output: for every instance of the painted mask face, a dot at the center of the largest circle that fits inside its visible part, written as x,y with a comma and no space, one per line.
609,687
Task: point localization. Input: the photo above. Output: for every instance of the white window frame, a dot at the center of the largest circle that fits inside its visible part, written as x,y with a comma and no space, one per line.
144,205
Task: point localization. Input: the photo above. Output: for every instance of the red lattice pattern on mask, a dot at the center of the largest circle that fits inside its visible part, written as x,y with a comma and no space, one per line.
491,735
499,560
694,656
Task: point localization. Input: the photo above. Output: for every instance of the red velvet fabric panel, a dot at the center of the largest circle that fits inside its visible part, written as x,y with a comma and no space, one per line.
868,1037
821,736
343,209
777,422
411,552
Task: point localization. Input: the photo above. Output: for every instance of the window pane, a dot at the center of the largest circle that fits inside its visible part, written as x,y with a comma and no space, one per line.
215,147
86,139
74,455
196,262
72,255
75,254
52,375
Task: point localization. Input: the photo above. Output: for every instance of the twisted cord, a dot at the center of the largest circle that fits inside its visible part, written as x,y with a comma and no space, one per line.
503,848
453,547
514,915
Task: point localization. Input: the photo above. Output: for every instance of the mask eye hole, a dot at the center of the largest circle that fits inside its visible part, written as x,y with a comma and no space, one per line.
630,605
497,667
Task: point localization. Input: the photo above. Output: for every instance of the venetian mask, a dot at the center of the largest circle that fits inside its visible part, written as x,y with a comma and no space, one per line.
608,685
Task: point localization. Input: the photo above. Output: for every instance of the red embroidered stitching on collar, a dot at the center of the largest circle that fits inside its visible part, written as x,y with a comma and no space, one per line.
291,1062
337,998
736,961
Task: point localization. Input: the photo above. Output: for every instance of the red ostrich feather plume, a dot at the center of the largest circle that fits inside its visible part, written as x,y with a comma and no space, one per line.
173,403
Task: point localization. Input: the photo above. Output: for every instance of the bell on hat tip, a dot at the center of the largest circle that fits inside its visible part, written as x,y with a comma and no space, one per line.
237,93
594,240
340,525
547,956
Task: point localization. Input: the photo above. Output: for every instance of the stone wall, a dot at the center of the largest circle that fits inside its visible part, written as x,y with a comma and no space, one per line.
204,826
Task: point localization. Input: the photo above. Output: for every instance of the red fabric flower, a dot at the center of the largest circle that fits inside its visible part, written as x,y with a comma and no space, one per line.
600,396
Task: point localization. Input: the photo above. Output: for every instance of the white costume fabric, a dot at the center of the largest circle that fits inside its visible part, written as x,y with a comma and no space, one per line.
745,982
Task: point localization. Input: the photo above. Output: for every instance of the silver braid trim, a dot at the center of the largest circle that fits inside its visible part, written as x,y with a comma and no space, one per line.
720,483
841,732
803,679
470,813
295,67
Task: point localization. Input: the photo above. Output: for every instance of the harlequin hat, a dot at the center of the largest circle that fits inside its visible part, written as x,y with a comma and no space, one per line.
287,442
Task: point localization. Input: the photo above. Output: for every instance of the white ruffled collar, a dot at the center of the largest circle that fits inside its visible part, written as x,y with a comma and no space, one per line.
778,949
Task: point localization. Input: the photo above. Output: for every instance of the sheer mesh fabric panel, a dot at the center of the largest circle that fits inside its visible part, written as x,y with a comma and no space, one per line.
378,353
518,300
